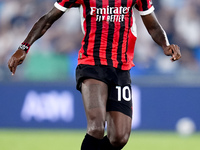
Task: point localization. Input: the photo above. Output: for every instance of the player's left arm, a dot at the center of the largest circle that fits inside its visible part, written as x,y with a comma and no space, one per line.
159,36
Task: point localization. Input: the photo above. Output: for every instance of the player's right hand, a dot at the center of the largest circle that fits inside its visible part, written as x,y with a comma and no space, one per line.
16,59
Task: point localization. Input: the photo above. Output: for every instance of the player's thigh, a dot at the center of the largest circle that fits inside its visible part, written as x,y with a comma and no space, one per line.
119,113
95,94
118,126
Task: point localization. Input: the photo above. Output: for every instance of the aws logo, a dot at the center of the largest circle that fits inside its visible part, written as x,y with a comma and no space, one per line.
51,106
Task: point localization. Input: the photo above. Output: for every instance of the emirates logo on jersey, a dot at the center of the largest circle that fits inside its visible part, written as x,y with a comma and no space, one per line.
110,14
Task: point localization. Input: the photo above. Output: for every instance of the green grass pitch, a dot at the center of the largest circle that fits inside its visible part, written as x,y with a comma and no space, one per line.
71,140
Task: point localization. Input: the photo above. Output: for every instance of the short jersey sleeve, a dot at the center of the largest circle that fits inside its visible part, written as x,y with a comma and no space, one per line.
63,5
144,7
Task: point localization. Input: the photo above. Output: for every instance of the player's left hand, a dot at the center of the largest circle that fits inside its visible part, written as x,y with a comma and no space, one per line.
173,51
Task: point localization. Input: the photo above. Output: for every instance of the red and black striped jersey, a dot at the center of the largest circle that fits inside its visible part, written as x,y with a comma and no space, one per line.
109,30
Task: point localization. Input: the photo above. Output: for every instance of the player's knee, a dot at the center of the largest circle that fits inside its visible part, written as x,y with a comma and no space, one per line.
96,131
96,124
119,140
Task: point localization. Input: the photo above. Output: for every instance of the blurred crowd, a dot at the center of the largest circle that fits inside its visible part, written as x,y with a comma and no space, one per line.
54,56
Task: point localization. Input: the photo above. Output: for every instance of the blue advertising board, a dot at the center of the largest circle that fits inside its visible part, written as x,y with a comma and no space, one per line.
48,105
41,106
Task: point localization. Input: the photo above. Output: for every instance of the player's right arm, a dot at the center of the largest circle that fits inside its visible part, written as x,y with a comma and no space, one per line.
37,31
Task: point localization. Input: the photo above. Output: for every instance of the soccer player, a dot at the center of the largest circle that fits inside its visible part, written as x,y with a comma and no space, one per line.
104,61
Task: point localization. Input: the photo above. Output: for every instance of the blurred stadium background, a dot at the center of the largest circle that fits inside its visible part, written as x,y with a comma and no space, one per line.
40,108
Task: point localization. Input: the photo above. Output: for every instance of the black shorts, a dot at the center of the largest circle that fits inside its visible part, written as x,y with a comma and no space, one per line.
118,81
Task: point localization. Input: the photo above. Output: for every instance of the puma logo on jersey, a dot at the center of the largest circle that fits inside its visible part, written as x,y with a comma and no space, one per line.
150,2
